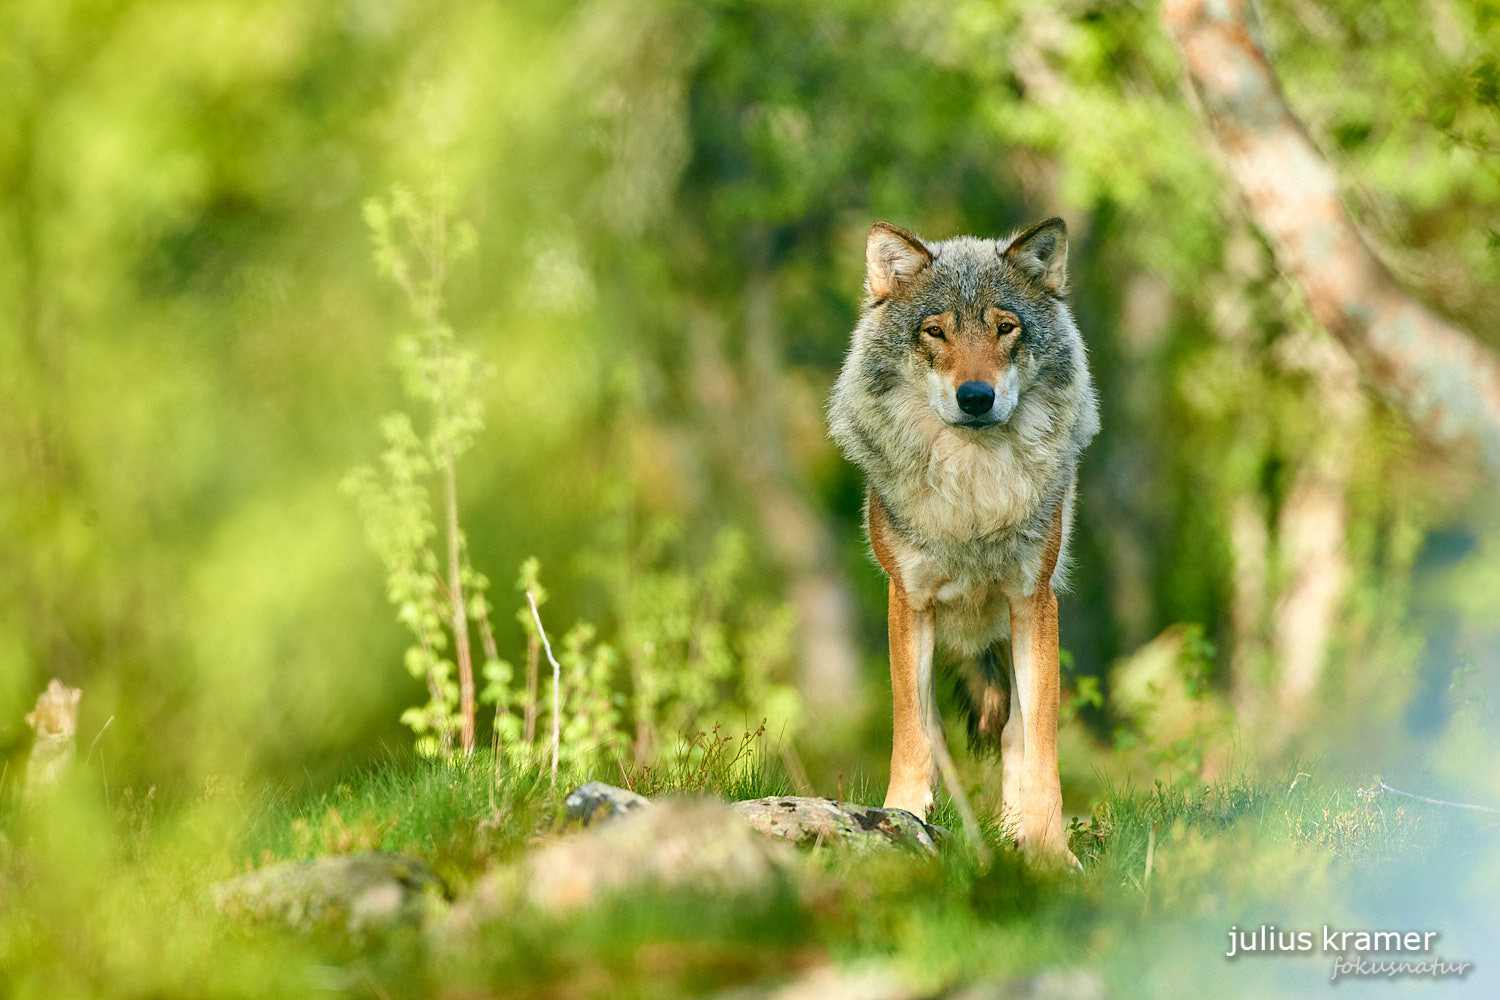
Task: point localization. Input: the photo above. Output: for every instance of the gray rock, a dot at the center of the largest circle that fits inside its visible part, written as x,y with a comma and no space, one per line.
597,802
870,980
806,821
1059,984
880,980
699,845
357,892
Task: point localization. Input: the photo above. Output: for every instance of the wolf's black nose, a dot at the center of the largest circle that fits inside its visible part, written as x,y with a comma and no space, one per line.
975,398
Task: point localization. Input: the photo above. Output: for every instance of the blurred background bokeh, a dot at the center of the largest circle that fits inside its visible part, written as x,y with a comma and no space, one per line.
671,200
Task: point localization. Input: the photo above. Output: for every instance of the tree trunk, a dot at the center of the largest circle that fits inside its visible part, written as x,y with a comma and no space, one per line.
1445,381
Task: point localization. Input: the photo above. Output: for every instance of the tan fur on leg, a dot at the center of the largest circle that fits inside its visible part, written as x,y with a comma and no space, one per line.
911,636
1034,655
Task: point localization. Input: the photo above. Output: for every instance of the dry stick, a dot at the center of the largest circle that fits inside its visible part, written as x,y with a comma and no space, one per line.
957,794
456,596
107,723
556,685
794,769
1437,802
445,736
491,654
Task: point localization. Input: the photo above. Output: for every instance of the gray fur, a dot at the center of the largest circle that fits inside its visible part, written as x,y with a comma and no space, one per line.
973,505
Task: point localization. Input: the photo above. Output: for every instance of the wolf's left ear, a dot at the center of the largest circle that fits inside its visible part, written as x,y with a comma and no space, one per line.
1042,252
893,257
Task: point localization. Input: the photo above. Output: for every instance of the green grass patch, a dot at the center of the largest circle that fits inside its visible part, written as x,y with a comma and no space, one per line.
114,902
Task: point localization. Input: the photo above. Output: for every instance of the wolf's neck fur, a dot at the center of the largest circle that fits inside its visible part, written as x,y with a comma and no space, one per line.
950,486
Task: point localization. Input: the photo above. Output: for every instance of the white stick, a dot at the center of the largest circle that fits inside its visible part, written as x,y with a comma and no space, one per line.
1437,802
956,793
556,685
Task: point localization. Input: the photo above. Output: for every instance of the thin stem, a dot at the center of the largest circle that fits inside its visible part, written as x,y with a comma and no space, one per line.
533,654
1438,802
460,623
491,654
556,685
957,794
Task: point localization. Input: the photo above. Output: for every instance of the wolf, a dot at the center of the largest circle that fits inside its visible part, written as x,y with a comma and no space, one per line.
965,399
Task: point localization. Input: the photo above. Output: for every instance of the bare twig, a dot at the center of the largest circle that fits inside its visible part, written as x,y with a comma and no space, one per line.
794,769
491,654
556,685
90,755
460,623
957,794
1436,802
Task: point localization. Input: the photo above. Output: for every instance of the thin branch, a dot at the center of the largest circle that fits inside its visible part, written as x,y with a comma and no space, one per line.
460,620
491,653
957,794
1436,802
556,685
90,755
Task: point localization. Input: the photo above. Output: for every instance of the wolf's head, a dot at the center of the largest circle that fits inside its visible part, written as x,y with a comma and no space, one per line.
979,321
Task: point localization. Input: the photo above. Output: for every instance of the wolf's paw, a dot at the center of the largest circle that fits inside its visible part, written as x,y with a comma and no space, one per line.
1046,842
915,800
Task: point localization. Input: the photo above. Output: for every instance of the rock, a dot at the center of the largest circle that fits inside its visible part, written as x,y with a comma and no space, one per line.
860,981
358,892
1059,984
675,845
597,802
877,980
806,821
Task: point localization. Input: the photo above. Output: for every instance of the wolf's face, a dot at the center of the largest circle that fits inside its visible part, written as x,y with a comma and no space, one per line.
973,319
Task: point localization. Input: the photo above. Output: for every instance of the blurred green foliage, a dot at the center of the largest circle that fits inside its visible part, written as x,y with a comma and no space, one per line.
669,202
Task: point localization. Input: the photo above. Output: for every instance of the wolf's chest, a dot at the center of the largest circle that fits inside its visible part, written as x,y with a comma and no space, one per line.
967,494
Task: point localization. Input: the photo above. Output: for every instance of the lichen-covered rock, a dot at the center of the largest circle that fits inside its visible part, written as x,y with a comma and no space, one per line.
804,820
357,892
597,802
675,845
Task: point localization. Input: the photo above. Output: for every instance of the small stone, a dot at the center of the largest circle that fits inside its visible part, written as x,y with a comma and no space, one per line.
675,845
359,892
597,802
1057,984
807,821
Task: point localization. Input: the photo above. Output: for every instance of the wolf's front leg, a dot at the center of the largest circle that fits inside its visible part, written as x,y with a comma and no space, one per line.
912,633
1038,814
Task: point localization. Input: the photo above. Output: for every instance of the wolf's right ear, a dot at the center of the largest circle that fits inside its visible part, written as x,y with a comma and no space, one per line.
893,257
1042,252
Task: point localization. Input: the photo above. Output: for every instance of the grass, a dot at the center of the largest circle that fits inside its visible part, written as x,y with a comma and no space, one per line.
113,903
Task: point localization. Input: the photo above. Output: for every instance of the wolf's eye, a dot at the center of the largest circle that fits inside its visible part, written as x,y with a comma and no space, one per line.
1006,327
935,332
